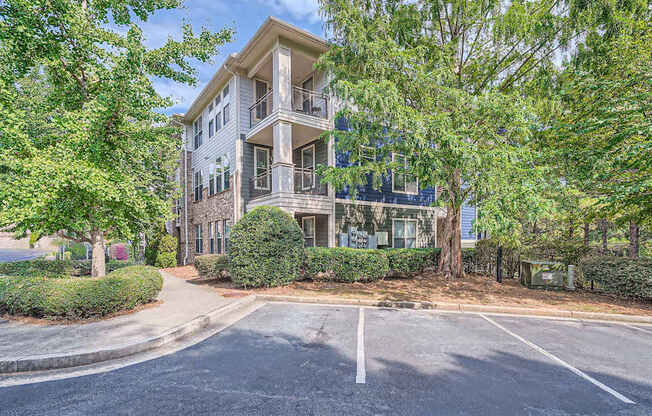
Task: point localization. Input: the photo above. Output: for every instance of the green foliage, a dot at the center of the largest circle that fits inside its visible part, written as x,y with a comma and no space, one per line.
266,248
406,261
56,268
212,266
77,251
78,108
76,298
343,264
166,255
620,275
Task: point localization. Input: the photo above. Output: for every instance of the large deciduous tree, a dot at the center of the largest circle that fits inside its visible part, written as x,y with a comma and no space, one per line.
89,158
443,83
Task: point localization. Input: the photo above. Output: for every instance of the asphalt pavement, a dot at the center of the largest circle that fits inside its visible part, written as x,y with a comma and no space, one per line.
289,359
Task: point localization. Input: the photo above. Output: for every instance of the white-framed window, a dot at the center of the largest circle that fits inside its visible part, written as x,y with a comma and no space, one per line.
218,99
261,168
199,239
227,234
367,153
218,237
211,127
211,238
403,181
218,121
218,175
197,130
308,167
226,114
404,233
197,183
260,90
225,92
226,172
210,107
211,181
308,227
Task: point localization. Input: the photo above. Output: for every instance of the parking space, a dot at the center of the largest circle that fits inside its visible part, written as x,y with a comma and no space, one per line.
290,359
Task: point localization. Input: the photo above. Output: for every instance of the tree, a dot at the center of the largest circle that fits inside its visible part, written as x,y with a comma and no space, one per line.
443,83
93,161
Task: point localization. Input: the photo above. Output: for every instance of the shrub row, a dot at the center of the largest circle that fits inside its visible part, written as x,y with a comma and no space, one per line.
56,268
76,298
620,275
407,261
212,266
342,264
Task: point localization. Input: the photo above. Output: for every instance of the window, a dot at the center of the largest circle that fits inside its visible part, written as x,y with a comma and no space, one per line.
227,232
308,167
226,114
260,90
197,129
199,242
261,168
210,107
225,92
218,175
402,181
211,238
404,233
218,99
307,95
198,185
218,236
218,122
210,128
211,183
227,172
367,153
308,226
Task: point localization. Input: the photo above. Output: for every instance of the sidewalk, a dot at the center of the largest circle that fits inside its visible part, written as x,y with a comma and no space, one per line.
185,308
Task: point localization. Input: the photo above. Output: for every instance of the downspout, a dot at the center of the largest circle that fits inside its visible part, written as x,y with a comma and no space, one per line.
185,189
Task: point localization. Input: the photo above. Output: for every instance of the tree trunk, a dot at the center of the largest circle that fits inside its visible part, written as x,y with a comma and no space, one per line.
444,266
450,260
98,267
457,269
633,240
499,265
603,227
587,231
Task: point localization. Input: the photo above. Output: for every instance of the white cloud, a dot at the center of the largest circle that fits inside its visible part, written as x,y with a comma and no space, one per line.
300,9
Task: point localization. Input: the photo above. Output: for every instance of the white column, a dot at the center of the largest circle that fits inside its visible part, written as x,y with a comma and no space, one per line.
282,167
282,78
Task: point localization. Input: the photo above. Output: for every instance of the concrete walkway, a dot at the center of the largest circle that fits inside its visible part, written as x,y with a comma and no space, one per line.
182,302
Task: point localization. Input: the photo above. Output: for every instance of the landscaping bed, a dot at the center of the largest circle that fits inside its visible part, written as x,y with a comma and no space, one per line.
66,297
428,286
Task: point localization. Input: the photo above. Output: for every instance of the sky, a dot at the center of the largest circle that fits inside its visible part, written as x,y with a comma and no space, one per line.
245,16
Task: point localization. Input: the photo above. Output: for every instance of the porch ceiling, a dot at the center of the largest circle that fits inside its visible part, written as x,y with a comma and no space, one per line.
302,67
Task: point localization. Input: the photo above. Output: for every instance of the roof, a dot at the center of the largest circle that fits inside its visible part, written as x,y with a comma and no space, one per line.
267,33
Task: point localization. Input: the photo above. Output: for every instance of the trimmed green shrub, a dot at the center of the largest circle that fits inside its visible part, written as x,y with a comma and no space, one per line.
266,248
38,267
212,266
620,275
405,261
77,298
166,255
343,264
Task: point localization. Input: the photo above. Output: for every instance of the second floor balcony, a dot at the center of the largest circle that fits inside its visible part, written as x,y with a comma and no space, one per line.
306,182
304,101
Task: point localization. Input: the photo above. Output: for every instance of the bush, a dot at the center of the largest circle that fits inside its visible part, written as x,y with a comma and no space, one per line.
212,266
266,248
56,268
620,275
161,249
405,261
76,298
343,264
119,252
77,251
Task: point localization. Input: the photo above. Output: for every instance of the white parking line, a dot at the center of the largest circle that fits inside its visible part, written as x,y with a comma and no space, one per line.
637,328
361,373
562,362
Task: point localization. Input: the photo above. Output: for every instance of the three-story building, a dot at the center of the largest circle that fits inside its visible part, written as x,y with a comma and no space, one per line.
252,137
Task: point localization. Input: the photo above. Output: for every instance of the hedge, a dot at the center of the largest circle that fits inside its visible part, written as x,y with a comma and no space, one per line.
620,275
212,266
343,264
266,248
79,298
56,268
406,261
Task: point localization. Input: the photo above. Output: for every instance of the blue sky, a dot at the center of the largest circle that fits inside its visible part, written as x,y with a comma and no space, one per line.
244,16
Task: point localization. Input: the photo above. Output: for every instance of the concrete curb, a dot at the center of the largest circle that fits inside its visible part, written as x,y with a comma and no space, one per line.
55,361
459,307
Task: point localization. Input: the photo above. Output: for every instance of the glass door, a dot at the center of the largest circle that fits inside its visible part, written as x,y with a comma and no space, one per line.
261,166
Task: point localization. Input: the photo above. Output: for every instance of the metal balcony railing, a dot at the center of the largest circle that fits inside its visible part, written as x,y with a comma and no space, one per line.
306,182
309,102
260,185
261,109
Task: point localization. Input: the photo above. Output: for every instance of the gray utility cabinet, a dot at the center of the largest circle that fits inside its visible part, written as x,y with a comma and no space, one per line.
542,274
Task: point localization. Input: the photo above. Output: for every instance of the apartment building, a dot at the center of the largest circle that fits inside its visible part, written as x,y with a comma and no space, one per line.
252,138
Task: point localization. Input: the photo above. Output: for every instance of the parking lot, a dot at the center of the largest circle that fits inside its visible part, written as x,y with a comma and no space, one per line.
290,359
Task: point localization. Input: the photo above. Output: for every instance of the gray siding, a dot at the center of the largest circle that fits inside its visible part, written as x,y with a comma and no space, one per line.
321,228
246,101
321,153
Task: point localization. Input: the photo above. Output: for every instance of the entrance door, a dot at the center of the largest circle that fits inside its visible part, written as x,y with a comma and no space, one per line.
261,107
308,226
308,167
307,95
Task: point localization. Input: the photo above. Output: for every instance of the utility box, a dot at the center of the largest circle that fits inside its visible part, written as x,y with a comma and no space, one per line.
542,274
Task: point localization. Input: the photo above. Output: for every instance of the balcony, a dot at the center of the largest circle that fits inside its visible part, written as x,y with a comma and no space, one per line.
306,182
260,185
307,102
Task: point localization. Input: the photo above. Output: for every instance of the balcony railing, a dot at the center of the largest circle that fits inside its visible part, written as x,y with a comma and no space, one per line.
261,109
260,185
306,182
309,102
